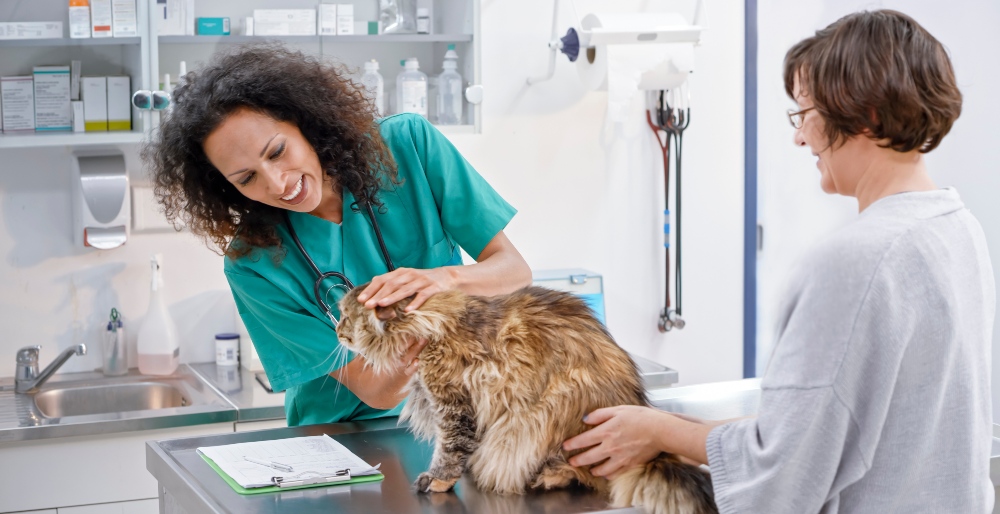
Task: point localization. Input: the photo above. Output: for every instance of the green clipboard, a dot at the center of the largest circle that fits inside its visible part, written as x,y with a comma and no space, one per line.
274,489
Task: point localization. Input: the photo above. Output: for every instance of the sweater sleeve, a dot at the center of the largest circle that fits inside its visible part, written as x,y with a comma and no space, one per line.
787,459
825,395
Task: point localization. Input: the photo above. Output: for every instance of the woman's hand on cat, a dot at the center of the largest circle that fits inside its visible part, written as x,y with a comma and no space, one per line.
624,437
402,283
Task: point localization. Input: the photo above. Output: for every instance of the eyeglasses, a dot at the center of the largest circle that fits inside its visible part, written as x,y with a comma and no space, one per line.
797,117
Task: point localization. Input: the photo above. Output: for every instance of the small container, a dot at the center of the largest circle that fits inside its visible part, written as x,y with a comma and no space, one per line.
227,349
115,349
423,20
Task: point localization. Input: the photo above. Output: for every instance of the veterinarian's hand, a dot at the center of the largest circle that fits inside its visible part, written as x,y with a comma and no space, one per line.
409,363
402,283
625,437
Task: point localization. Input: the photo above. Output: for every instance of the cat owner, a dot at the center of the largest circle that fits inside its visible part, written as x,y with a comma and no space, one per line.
877,396
264,140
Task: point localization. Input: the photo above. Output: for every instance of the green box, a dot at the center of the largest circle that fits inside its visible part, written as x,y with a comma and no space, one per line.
213,26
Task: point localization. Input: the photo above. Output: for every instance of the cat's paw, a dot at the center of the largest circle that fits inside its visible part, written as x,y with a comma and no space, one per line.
427,483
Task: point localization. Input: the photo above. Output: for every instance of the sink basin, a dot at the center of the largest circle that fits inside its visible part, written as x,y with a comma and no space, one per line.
108,398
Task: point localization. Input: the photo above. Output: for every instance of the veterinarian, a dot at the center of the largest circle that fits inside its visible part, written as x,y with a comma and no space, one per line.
877,395
265,139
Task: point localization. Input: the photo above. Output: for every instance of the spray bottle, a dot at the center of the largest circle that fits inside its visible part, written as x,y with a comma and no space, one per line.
157,346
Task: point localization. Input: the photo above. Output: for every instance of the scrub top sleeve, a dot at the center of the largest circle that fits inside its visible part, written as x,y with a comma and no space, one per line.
472,212
294,346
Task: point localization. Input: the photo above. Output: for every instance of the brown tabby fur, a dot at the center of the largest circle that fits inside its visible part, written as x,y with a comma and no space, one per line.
503,381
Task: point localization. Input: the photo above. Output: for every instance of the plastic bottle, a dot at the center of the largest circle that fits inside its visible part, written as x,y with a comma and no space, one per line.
411,89
449,88
374,86
157,345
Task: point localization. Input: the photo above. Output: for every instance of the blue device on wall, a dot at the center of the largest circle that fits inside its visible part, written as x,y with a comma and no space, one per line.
586,284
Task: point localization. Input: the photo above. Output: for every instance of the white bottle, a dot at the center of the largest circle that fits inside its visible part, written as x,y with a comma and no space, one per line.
449,88
157,341
411,89
374,86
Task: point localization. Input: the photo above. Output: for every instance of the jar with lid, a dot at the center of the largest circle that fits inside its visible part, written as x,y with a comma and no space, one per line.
227,349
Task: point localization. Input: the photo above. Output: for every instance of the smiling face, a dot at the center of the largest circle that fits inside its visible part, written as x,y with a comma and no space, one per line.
842,164
268,161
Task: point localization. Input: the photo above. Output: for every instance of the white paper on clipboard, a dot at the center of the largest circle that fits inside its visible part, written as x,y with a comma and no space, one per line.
316,454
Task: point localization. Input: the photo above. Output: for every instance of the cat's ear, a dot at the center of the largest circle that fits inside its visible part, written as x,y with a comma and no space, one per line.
385,313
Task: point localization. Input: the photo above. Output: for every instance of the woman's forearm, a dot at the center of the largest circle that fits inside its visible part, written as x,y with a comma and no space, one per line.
686,438
378,392
500,269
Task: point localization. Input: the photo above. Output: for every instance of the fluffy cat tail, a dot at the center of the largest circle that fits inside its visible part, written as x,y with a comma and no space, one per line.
665,485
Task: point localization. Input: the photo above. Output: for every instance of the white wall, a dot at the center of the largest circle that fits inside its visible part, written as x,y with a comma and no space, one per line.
794,211
588,196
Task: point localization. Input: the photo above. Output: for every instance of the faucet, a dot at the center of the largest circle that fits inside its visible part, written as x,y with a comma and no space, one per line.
28,379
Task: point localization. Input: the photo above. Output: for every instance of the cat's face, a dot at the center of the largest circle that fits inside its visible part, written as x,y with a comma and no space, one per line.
383,334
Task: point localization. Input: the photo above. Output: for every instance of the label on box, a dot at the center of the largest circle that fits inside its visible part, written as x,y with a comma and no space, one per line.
18,97
100,18
213,27
79,21
345,19
53,110
31,30
284,22
119,103
123,18
328,19
95,103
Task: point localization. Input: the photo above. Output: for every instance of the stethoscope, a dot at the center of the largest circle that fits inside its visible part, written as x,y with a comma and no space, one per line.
346,284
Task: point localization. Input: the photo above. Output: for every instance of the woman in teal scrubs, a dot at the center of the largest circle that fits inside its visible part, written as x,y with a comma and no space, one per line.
265,134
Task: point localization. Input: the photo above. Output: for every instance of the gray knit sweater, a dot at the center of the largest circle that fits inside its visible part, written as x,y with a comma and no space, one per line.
877,396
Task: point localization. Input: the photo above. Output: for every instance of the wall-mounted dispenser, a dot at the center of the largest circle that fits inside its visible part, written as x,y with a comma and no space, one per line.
101,203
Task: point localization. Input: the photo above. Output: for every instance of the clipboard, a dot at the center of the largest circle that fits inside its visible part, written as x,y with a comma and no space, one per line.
273,489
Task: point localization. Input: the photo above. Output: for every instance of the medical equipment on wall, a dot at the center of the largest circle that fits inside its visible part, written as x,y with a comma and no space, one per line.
670,112
346,284
653,53
101,201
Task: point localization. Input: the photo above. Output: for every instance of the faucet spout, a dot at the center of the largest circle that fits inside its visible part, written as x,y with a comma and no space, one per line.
28,378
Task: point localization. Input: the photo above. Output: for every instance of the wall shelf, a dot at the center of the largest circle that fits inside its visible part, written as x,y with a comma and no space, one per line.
52,139
65,41
362,38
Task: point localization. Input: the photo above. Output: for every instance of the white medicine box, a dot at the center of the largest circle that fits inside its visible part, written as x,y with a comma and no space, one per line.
119,104
52,104
94,91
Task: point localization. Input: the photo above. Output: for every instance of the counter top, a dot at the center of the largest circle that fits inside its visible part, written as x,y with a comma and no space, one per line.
22,419
244,392
196,488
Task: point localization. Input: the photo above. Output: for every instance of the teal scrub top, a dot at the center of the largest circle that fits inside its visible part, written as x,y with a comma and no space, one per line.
442,203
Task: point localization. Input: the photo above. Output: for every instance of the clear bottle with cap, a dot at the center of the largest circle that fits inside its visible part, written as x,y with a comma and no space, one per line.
411,88
449,91
374,86
157,345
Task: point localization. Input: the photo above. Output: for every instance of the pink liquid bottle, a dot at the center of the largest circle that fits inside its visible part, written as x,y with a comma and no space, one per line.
157,345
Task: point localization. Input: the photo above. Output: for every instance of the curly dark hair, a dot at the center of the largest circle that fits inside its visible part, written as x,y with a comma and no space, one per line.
318,97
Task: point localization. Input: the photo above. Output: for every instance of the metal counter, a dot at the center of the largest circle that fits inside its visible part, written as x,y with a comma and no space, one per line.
21,419
240,387
188,485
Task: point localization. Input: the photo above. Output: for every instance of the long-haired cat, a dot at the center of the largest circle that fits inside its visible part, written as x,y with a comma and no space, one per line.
503,381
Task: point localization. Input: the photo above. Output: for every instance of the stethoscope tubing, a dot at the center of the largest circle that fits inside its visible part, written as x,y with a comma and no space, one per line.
321,276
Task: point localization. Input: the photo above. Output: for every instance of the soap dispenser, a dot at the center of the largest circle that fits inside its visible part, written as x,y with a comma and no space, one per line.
158,349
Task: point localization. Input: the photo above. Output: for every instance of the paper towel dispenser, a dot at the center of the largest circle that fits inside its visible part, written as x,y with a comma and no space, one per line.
101,203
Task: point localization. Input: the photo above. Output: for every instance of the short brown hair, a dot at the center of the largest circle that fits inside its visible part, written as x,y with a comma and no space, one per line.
878,71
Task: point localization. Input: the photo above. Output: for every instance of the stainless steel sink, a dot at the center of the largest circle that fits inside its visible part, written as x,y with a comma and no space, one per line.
73,404
104,399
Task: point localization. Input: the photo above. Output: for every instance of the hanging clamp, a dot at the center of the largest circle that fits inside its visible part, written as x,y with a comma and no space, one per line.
669,320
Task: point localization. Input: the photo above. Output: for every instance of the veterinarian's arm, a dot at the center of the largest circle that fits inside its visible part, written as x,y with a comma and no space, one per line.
499,269
383,391
629,436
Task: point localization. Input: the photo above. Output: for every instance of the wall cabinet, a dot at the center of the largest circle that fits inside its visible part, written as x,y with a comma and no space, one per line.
148,57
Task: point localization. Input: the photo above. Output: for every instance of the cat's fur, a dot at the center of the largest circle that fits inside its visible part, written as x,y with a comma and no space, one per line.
503,381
